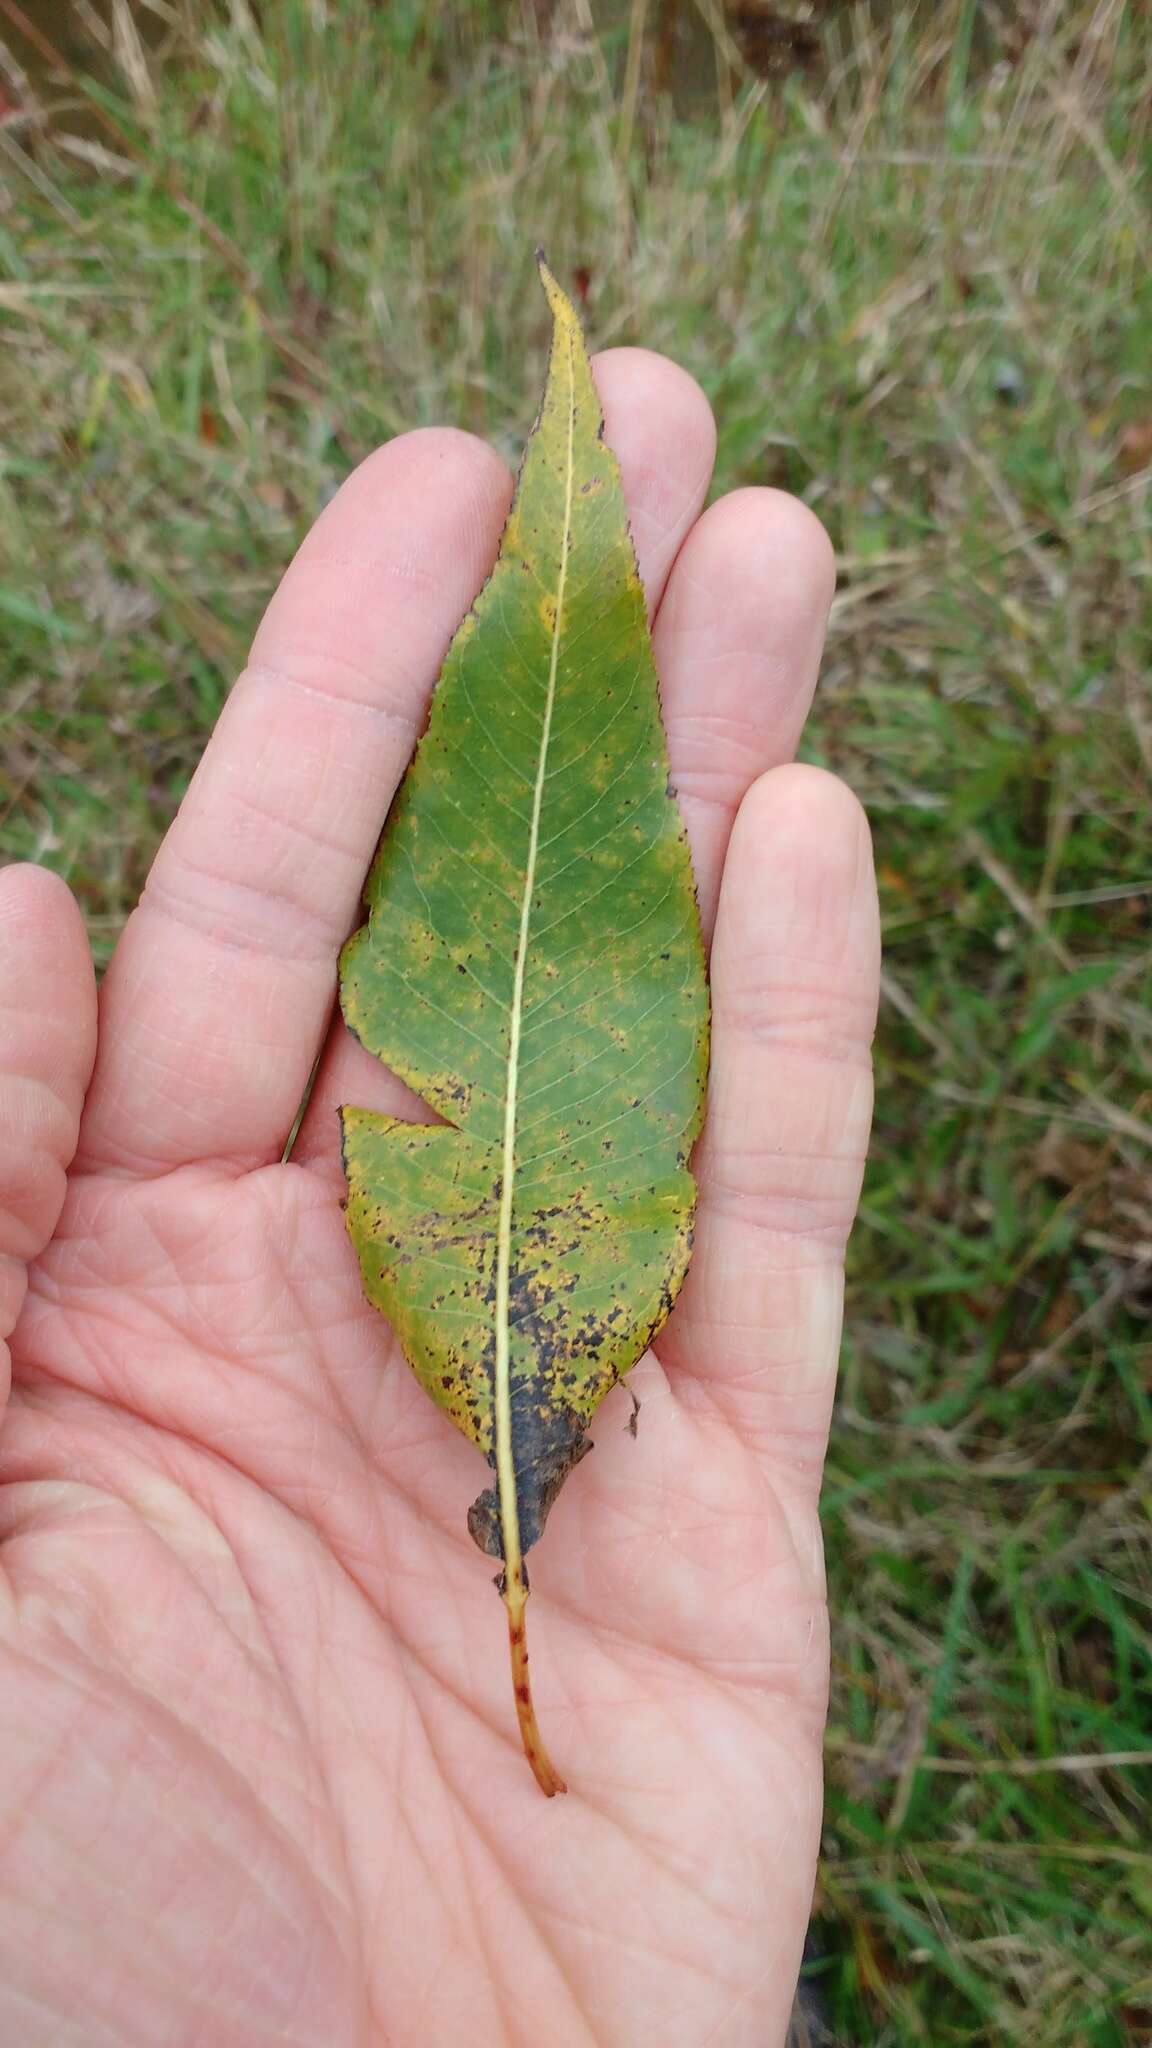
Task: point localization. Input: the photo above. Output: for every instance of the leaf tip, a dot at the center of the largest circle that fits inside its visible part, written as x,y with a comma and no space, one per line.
563,311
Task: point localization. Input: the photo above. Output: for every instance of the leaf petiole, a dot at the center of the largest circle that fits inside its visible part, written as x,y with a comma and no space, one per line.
515,1599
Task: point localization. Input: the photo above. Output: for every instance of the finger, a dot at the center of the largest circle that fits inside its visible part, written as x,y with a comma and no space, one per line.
47,1043
738,642
220,989
660,425
795,971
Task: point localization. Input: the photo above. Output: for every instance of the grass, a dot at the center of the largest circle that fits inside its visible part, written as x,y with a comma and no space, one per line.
914,282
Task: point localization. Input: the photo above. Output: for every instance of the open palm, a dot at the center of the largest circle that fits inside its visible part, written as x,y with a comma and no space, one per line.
260,1779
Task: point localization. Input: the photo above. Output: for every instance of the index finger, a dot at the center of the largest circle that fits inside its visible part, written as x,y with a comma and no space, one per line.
220,987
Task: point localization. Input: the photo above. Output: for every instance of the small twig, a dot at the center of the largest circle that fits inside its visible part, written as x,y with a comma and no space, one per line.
1091,1318
1109,1118
1126,1015
1013,1767
912,1014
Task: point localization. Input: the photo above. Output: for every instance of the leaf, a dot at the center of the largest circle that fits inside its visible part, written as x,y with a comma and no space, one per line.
532,965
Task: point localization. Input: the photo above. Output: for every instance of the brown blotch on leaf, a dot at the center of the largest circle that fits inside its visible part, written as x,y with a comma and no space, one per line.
546,1444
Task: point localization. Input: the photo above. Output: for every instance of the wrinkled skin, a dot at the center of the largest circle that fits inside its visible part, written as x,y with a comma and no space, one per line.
259,1773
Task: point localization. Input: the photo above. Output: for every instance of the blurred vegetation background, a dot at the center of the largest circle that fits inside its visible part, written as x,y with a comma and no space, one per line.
905,249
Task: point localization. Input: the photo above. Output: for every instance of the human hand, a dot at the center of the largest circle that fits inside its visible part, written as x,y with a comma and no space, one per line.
260,1780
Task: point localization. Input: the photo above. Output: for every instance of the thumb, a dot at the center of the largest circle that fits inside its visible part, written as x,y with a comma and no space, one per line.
47,1046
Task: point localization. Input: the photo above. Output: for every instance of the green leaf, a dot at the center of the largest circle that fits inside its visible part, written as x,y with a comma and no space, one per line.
532,965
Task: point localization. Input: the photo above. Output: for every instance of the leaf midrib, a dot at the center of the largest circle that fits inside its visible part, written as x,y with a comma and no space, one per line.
502,1389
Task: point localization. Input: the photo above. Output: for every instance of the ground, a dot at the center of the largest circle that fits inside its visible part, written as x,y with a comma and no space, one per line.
912,278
